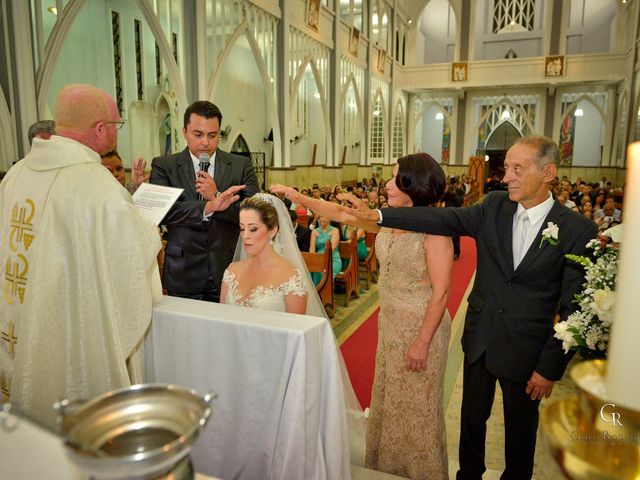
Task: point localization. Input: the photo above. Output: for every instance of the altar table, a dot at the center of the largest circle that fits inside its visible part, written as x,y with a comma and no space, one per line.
280,411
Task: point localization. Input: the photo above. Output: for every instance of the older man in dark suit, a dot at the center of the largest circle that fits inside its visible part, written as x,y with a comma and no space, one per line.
523,282
202,228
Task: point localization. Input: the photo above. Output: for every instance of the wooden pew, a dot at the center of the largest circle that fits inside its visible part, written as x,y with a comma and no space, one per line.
321,262
370,264
349,276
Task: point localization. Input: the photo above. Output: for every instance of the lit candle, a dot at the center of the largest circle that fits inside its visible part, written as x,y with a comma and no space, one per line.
623,377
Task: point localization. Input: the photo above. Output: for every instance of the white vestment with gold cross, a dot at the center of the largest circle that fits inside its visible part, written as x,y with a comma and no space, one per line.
79,277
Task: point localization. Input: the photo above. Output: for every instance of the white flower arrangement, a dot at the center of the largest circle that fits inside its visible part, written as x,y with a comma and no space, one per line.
550,234
586,330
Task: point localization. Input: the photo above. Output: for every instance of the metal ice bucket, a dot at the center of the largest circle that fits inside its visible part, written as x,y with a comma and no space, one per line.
138,432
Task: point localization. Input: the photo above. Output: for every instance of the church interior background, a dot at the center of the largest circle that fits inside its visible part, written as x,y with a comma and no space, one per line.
331,94
322,95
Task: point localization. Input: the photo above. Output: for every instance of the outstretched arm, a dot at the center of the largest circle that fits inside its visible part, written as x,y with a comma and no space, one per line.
330,210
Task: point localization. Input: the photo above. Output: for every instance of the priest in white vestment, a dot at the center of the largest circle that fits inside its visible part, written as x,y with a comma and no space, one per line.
79,270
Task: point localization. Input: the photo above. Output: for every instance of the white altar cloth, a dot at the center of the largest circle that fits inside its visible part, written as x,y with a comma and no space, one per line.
280,411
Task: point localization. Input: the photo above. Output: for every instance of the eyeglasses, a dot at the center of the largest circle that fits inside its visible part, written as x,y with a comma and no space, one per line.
118,123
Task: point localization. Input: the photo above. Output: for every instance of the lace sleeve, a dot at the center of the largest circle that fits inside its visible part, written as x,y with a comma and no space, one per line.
295,285
228,278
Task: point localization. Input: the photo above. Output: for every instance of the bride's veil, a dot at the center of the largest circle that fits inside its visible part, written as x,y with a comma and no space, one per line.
286,245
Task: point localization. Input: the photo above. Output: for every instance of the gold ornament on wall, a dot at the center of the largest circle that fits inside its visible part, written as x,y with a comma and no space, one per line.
313,14
459,72
554,66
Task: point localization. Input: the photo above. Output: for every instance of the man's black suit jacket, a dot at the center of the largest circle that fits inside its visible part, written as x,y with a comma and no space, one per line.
197,247
303,237
511,313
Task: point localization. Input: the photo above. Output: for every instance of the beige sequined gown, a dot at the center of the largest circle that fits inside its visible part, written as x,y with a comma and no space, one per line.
406,429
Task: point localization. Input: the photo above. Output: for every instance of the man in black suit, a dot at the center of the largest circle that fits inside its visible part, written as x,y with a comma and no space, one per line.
523,281
303,234
202,226
454,197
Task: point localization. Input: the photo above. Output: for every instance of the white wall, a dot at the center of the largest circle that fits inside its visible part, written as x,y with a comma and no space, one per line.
87,57
301,152
350,129
589,136
418,48
590,24
432,133
490,46
242,99
438,25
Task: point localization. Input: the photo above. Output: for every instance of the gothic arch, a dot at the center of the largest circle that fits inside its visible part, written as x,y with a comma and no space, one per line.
399,108
512,106
575,103
351,80
239,137
501,126
272,108
379,96
308,60
166,103
456,6
427,106
59,34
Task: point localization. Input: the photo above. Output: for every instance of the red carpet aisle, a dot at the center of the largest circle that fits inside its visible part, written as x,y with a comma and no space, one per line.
359,350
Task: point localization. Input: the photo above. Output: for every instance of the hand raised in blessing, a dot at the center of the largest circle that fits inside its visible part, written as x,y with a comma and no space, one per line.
224,200
360,209
289,192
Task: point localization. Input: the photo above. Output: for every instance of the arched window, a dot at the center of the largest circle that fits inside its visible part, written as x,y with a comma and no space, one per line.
377,131
240,145
353,12
398,133
513,15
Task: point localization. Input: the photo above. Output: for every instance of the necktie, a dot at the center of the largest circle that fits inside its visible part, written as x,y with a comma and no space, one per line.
520,238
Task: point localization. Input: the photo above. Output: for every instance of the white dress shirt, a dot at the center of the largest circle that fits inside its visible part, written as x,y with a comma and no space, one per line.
210,171
196,164
523,240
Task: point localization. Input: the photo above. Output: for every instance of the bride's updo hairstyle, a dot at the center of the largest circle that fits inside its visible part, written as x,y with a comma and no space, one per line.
421,178
266,211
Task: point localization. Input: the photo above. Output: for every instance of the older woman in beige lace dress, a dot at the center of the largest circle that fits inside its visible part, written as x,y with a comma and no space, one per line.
406,431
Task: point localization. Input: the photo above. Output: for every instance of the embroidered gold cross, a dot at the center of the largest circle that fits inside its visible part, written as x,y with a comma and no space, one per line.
16,279
5,387
21,226
10,338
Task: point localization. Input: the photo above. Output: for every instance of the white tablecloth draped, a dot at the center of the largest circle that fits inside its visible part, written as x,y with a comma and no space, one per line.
280,411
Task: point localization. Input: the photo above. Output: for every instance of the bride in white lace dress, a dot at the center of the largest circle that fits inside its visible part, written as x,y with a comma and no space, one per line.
265,279
269,273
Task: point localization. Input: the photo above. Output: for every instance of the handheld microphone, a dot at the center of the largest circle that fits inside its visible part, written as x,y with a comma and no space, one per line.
204,166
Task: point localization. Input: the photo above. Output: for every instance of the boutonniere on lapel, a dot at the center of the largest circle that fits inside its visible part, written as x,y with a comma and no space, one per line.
550,234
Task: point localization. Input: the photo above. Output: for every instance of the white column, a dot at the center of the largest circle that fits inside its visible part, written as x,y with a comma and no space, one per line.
201,48
24,71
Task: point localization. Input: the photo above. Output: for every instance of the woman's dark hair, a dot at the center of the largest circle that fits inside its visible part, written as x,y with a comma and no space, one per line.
420,177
